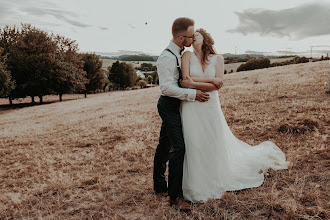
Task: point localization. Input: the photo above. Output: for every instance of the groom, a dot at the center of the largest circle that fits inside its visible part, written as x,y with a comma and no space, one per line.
171,143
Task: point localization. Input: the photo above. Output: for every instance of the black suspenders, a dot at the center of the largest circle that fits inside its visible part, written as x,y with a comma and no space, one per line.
177,66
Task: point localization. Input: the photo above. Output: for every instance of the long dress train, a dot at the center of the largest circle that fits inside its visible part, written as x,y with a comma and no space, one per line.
215,160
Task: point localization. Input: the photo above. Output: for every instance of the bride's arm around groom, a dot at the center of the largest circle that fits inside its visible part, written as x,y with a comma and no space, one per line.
207,84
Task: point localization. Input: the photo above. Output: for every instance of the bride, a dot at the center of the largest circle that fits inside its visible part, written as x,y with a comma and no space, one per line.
215,160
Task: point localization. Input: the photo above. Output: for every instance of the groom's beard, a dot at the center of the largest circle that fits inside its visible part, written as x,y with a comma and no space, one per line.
185,43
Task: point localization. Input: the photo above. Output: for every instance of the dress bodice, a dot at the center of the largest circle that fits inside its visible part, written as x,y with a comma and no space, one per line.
196,69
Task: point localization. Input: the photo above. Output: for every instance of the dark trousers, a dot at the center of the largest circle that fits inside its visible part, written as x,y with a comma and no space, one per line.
170,147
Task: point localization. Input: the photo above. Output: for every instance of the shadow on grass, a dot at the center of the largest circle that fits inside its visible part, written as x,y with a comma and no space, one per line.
4,107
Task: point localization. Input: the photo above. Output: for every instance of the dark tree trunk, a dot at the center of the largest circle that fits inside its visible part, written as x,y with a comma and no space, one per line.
10,101
86,95
32,97
60,97
40,98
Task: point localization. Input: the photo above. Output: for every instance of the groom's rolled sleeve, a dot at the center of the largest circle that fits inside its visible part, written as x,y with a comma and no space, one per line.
166,68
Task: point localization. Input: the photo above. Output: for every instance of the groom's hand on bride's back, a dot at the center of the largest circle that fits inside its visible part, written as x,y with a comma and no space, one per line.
202,96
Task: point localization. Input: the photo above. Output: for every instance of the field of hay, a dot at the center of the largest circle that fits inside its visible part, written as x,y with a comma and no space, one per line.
93,158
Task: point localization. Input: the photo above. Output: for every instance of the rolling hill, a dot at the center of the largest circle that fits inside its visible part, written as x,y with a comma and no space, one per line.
93,158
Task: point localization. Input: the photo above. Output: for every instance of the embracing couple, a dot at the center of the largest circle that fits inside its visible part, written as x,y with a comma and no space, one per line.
205,158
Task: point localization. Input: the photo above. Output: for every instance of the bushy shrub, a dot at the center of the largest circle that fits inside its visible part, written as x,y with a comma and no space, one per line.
287,62
147,67
296,60
258,63
155,77
138,79
122,75
301,60
149,79
142,83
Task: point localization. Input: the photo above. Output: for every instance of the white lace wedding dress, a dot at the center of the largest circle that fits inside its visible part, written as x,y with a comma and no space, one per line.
215,160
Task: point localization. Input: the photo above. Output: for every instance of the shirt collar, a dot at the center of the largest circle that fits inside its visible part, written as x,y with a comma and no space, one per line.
174,48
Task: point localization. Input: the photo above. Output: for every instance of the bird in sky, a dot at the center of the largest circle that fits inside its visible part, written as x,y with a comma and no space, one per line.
131,26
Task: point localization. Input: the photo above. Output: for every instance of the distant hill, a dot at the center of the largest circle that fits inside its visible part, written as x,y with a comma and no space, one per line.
255,55
230,58
100,147
238,58
139,57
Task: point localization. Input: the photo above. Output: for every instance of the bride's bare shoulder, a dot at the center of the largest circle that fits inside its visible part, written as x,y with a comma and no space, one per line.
219,57
186,55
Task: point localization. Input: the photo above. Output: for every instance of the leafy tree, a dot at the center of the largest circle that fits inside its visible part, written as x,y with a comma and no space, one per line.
43,64
140,57
67,79
8,37
147,67
138,79
131,72
122,75
118,76
117,67
31,59
142,84
149,79
68,74
256,63
96,76
287,62
6,83
301,59
155,77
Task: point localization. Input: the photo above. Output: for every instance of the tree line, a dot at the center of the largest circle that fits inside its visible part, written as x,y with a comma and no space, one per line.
36,63
239,58
135,57
146,67
260,63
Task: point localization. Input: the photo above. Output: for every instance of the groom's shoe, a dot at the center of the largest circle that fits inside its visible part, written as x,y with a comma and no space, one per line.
161,192
181,204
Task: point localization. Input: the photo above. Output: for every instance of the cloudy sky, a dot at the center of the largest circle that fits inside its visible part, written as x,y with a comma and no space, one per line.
275,27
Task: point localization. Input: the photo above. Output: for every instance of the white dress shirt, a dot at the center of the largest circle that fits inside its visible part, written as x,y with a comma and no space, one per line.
169,75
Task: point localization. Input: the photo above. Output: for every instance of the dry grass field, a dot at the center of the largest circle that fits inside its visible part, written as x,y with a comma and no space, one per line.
92,158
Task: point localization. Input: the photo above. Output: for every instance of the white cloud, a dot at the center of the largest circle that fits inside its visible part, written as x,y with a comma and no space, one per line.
35,11
308,20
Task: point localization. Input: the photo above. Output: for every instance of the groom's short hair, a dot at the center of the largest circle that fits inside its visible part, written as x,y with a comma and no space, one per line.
180,25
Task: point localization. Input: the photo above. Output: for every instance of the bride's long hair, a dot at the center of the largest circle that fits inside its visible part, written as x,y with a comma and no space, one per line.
207,46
